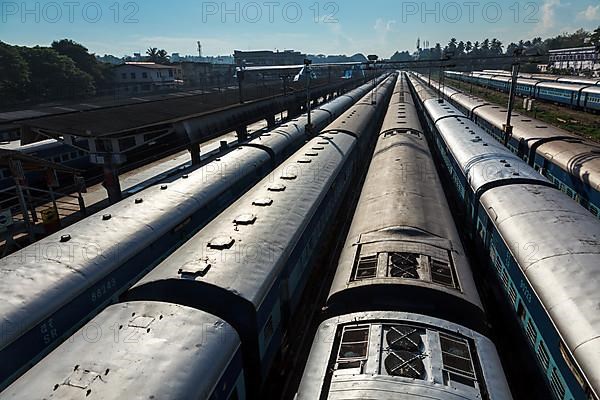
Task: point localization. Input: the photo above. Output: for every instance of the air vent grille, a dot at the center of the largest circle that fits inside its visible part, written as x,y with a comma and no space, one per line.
404,265
404,351
404,338
405,364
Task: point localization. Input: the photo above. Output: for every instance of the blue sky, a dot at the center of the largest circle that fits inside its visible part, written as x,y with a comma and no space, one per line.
122,27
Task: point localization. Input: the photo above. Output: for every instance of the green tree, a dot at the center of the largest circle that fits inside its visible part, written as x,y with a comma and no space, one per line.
401,56
468,47
452,45
163,58
437,52
496,47
460,49
54,76
152,52
485,47
510,50
14,75
84,60
595,37
157,56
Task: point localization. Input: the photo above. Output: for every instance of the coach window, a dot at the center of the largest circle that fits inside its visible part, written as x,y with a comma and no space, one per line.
456,357
367,268
353,348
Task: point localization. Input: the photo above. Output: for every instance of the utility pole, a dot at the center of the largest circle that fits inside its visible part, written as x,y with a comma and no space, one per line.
240,75
284,78
516,66
429,83
372,64
445,57
308,75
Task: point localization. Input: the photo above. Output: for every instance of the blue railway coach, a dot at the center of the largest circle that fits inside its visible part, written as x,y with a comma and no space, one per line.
543,248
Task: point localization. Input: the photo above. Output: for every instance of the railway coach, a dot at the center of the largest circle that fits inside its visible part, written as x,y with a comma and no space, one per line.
543,248
404,317
569,161
209,320
49,289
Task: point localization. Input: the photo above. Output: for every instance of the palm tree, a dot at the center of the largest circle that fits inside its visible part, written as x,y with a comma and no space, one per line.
496,46
468,47
460,49
452,45
152,52
162,56
157,56
485,47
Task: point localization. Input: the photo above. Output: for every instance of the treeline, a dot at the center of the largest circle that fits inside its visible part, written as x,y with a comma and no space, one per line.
480,50
64,70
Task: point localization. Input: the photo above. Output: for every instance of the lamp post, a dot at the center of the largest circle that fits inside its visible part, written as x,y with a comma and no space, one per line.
372,65
445,57
516,66
284,79
306,73
240,73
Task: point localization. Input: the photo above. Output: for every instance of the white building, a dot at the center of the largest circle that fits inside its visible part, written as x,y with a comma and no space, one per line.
577,59
146,76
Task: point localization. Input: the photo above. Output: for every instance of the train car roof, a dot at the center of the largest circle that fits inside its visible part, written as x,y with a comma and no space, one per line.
317,377
138,350
43,277
394,214
581,159
563,269
246,257
527,81
12,145
244,250
482,159
524,127
576,79
16,145
468,101
592,89
561,86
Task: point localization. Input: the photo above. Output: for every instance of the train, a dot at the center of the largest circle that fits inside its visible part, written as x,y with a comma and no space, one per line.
208,321
540,247
548,77
50,288
403,315
571,162
50,150
585,96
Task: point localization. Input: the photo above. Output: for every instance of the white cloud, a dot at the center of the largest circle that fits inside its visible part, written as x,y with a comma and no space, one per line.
548,14
591,13
384,27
